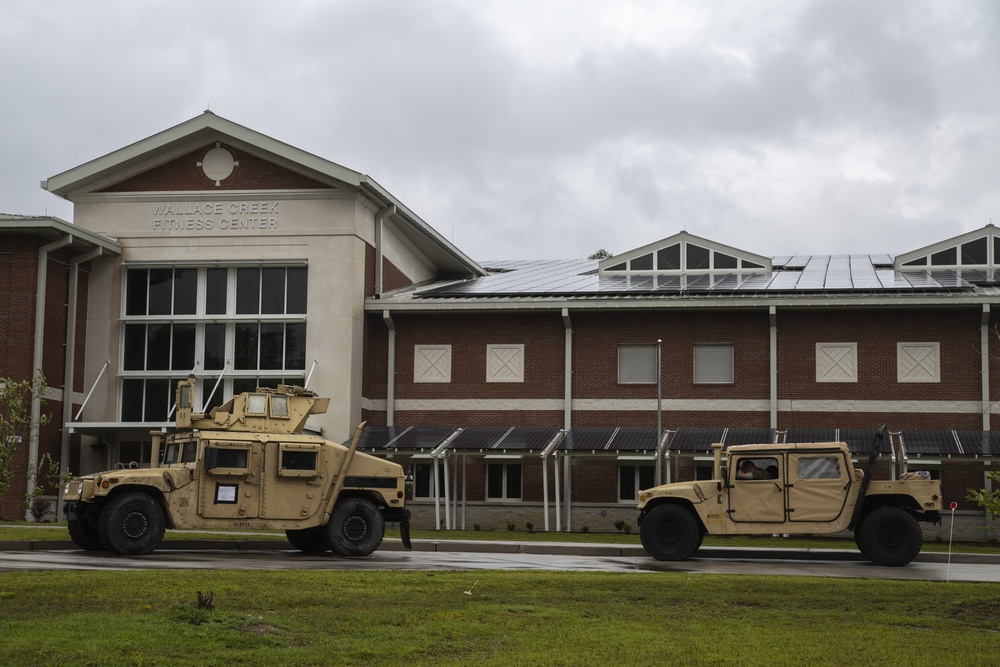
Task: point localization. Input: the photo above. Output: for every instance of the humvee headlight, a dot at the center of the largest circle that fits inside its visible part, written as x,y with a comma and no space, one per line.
642,497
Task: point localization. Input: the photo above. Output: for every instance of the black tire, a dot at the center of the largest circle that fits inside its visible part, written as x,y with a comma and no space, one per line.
670,532
309,540
131,524
83,530
356,527
889,536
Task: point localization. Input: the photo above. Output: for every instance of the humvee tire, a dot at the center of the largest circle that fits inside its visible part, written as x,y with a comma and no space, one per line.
131,524
889,536
309,540
356,527
83,530
670,532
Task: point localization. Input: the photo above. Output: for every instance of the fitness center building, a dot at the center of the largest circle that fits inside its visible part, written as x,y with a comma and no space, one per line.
542,392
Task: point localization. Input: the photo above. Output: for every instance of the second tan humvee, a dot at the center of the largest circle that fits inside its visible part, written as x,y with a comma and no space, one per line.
790,489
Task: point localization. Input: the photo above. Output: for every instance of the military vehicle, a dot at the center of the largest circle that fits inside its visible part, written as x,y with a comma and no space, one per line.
791,489
245,465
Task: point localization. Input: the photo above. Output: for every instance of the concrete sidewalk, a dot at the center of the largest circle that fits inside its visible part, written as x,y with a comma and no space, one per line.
513,547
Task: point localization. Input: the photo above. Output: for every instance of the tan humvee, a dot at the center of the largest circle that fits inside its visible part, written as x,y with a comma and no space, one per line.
790,488
246,465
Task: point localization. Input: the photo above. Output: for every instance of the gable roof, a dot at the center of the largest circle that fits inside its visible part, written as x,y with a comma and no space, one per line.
650,258
174,142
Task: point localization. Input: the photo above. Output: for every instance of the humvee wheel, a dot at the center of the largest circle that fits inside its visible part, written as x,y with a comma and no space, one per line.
356,527
670,532
83,530
309,540
889,536
131,524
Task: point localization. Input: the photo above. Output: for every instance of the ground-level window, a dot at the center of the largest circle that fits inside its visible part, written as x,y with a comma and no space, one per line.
423,480
634,478
503,481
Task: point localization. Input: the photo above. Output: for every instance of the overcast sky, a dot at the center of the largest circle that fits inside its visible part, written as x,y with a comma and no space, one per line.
549,129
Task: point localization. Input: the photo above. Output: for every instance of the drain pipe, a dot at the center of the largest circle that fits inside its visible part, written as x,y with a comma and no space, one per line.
567,370
41,285
68,367
390,380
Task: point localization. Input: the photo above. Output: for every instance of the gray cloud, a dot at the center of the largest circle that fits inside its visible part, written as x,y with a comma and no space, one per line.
549,129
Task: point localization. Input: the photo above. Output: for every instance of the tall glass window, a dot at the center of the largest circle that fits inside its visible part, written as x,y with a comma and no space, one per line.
247,323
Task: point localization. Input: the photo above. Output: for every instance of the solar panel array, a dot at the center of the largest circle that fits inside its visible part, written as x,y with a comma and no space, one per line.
805,274
916,442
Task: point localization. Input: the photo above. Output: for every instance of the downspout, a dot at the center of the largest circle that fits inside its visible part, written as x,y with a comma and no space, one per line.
68,368
390,380
568,371
984,364
379,220
41,285
773,361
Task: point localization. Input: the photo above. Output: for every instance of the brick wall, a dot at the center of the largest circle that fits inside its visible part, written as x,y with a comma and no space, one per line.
18,288
184,174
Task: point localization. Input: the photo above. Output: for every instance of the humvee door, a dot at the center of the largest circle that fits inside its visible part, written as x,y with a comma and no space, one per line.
757,491
230,480
818,485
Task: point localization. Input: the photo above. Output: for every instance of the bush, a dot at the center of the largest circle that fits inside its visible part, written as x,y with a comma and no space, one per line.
39,508
510,526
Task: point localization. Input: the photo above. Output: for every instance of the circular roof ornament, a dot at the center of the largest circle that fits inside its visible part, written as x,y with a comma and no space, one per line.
218,164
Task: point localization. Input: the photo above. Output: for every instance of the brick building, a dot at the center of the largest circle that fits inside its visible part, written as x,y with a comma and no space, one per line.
520,391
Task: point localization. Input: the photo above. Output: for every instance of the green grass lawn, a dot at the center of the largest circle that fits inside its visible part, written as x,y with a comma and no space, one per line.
510,618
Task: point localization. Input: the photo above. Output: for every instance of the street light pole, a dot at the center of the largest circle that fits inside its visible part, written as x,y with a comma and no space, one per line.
659,410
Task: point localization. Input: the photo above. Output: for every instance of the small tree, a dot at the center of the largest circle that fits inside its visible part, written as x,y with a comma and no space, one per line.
43,476
988,500
15,421
601,254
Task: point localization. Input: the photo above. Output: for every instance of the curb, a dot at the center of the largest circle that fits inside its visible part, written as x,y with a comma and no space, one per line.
535,548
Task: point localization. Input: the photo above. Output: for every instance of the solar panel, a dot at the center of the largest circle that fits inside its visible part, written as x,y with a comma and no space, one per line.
634,440
749,436
797,435
979,443
377,437
527,438
588,438
690,439
480,437
422,437
929,442
860,440
404,437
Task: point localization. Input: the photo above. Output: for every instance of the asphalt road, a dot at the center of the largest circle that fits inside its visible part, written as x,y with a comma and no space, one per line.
793,563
